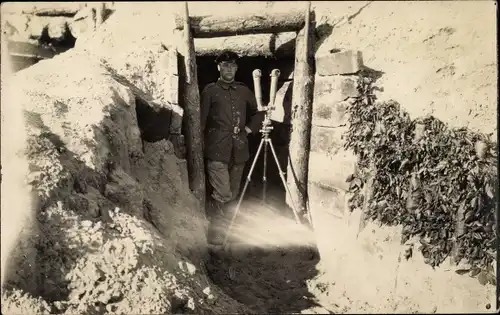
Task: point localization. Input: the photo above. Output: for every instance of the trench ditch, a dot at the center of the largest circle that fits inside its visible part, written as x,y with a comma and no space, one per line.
264,277
268,276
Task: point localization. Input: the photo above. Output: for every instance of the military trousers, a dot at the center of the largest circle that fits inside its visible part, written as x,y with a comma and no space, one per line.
224,180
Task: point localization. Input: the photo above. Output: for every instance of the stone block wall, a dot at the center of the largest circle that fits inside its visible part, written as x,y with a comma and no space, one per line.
356,256
329,163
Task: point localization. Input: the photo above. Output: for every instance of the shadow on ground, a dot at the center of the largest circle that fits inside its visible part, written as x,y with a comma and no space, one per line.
266,278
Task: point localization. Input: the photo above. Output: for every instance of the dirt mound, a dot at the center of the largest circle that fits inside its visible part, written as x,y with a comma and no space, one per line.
116,229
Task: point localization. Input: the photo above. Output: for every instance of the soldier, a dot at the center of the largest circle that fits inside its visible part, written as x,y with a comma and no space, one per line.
228,116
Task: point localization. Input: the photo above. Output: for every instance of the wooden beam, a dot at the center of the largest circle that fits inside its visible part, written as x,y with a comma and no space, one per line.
191,104
68,9
29,50
302,97
282,44
249,23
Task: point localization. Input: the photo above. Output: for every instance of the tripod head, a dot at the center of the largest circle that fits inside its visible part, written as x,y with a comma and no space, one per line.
266,124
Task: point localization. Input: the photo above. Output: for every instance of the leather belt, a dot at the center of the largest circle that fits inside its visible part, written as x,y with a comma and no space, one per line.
236,130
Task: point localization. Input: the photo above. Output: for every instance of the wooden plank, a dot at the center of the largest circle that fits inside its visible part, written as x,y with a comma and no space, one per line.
302,97
29,50
250,45
248,23
191,104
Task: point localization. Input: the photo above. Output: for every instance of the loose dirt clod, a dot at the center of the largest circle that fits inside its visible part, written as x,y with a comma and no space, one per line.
112,266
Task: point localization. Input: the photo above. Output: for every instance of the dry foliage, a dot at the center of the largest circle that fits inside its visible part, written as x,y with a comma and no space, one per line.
437,182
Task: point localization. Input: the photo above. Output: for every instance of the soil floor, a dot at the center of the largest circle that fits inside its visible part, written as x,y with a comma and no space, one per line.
269,259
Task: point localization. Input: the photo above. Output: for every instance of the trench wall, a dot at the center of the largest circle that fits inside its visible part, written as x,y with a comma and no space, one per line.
433,58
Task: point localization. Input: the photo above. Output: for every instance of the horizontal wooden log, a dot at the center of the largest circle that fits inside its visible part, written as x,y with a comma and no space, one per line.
20,62
44,8
67,12
282,44
249,23
29,50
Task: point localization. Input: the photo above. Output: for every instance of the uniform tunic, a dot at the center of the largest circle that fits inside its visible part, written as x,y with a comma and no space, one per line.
225,106
226,109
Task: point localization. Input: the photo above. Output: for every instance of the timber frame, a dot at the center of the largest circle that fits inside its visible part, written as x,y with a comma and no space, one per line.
302,95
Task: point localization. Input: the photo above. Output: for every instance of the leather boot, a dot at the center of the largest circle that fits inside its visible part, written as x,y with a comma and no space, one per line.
215,234
215,209
230,208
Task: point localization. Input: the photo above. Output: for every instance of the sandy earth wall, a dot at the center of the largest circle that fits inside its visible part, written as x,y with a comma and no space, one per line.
445,66
433,58
111,209
437,57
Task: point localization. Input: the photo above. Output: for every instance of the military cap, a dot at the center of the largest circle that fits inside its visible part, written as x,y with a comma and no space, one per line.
226,55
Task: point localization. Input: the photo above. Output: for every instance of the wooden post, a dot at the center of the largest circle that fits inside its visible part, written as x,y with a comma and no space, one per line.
302,97
191,100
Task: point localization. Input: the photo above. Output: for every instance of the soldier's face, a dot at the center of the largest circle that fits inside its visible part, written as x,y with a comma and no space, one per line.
227,70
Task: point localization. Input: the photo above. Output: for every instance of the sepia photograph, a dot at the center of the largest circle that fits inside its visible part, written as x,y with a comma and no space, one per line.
249,157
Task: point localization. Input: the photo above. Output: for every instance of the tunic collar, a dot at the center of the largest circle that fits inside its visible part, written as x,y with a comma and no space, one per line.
226,85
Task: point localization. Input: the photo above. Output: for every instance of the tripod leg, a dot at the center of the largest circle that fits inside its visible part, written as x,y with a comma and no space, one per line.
297,219
249,178
264,173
